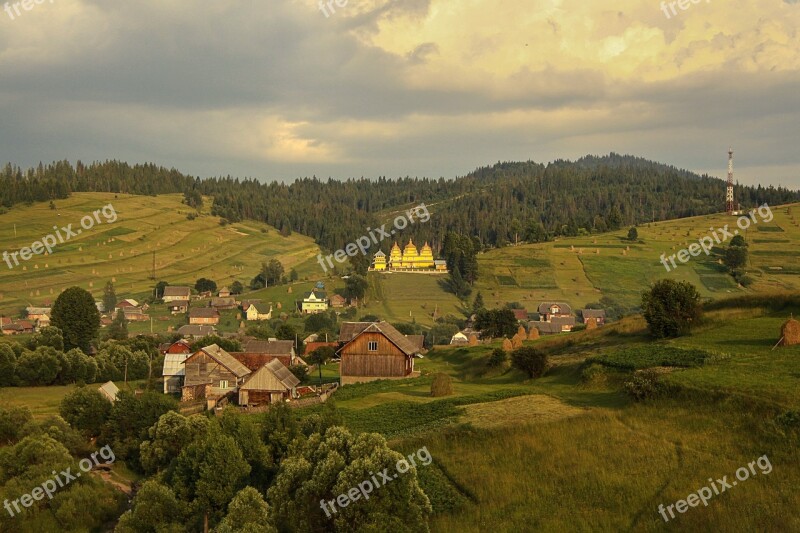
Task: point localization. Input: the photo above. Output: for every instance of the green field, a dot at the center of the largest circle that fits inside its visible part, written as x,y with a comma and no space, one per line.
122,252
562,454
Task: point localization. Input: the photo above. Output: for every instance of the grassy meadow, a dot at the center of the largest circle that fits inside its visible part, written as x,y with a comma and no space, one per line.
567,453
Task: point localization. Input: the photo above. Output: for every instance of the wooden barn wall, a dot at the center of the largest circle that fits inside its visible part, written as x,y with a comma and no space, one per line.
388,361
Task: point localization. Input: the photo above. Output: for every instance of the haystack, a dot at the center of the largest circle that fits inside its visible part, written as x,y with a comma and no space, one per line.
521,331
473,340
591,323
790,333
533,335
516,342
507,345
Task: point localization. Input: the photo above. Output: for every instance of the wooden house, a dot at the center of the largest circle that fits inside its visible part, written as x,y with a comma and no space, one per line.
224,303
38,313
196,331
178,307
272,383
520,314
224,292
375,350
258,353
599,315
338,301
134,314
211,372
172,294
549,310
204,315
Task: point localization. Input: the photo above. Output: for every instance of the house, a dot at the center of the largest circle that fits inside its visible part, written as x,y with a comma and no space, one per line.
257,353
224,292
311,338
36,313
124,304
203,315
174,371
315,301
520,314
598,314
224,303
258,311
178,307
176,347
375,350
311,346
338,301
211,372
26,326
556,325
42,322
196,331
247,303
172,294
134,314
11,328
548,310
272,383
109,391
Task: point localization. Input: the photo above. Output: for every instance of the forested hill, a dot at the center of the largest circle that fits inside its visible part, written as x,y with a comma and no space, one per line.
496,204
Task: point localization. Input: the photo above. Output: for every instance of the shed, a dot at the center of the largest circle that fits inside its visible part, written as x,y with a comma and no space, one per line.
272,383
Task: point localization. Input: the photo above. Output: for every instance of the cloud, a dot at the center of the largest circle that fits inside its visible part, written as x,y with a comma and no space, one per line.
383,87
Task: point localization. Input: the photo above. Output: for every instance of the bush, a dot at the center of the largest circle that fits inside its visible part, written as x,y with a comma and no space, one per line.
643,385
86,410
300,372
12,421
530,360
593,373
498,358
442,385
671,308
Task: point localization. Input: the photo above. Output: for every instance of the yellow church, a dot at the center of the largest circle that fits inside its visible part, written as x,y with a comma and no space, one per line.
408,260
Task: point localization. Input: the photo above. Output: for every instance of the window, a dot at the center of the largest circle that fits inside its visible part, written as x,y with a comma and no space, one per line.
203,368
223,384
372,346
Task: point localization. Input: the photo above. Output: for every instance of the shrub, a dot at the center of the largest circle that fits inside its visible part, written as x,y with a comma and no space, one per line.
498,358
300,372
442,385
671,308
593,373
86,410
643,385
530,360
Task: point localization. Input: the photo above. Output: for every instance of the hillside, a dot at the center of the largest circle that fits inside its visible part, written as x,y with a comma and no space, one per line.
571,269
122,251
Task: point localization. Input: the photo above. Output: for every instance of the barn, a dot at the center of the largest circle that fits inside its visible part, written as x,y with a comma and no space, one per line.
211,372
375,350
272,383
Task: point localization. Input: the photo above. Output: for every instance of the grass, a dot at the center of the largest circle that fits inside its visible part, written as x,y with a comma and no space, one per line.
653,355
44,401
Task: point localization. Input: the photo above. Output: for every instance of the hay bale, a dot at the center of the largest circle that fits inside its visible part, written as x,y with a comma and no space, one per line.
516,342
289,290
507,345
442,385
591,323
533,335
790,332
521,331
473,340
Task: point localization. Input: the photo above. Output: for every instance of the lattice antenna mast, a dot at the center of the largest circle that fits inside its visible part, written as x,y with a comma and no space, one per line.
729,207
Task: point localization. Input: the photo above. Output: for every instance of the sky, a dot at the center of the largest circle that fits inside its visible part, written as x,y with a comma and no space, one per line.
285,89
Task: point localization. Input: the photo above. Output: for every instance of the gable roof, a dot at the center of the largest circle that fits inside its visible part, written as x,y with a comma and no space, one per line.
544,307
225,359
318,294
389,331
269,347
203,312
200,330
593,313
260,379
548,327
173,364
520,314
177,291
109,390
223,301
563,320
